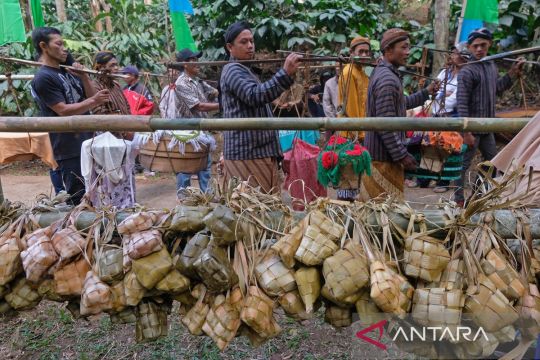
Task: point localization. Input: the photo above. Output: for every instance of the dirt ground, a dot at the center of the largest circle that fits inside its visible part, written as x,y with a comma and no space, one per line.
49,331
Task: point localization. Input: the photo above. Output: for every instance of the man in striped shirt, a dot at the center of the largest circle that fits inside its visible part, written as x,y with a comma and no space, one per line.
251,154
478,87
385,99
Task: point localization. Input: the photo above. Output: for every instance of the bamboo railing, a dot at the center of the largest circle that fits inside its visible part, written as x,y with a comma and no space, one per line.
148,123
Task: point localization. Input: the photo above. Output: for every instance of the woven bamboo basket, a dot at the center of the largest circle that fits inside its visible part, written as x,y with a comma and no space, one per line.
309,286
390,291
143,243
319,240
338,316
95,296
215,269
37,259
488,306
528,308
126,316
10,260
133,289
286,246
193,249
135,223
159,158
151,322
346,272
273,276
68,242
257,313
438,307
173,283
152,268
69,279
425,257
110,265
23,296
222,322
222,222
293,305
189,218
501,273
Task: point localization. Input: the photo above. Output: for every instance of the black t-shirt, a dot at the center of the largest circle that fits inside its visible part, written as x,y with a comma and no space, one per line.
50,87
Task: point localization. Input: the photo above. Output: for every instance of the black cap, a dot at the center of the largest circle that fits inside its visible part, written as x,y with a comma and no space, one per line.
186,54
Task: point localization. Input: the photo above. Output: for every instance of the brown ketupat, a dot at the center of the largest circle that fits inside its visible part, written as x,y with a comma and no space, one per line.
118,297
143,243
346,272
133,289
368,312
110,265
257,313
10,259
222,222
222,321
338,316
174,282
194,247
528,308
390,291
38,258
152,268
215,269
96,295
319,239
309,286
438,307
195,318
151,321
137,222
293,305
286,246
425,257
68,242
69,279
503,276
189,218
22,296
273,276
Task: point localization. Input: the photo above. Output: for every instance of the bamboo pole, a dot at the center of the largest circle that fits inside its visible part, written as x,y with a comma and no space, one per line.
505,225
17,77
147,123
356,59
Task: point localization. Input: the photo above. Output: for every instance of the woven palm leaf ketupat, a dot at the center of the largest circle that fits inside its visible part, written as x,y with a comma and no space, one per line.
346,272
390,291
215,269
309,286
110,265
133,289
438,307
69,279
501,273
425,257
136,223
153,268
38,258
273,276
143,243
222,222
195,318
118,297
480,348
23,295
189,218
3,291
68,242
257,313
319,240
193,249
95,296
488,306
5,308
453,276
126,316
10,259
506,334
528,308
37,236
368,312
348,301
151,321
222,322
338,316
293,305
286,246
174,283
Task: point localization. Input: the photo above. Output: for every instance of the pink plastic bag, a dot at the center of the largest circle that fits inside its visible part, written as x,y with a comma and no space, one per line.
300,165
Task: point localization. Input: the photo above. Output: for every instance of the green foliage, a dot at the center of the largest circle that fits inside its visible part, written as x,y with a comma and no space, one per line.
519,22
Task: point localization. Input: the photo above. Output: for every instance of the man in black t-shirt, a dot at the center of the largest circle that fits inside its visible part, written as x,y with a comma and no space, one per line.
64,93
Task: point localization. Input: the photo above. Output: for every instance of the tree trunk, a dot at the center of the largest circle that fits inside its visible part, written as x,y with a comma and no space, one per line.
61,10
94,7
442,14
25,7
107,9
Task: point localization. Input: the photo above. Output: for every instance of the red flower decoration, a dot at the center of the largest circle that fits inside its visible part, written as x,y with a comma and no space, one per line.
336,140
356,151
329,159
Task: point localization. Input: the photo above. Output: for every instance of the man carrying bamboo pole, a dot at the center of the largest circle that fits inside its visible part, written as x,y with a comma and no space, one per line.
251,154
478,87
63,92
385,99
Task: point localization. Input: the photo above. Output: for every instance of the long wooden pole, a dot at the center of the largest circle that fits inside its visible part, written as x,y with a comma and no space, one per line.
357,59
505,225
148,123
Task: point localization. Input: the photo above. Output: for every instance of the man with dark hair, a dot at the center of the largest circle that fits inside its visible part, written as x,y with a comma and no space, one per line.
105,61
251,154
139,97
60,92
195,99
385,99
478,87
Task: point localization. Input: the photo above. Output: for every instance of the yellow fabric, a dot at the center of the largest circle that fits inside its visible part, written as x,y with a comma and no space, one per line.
26,146
356,85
